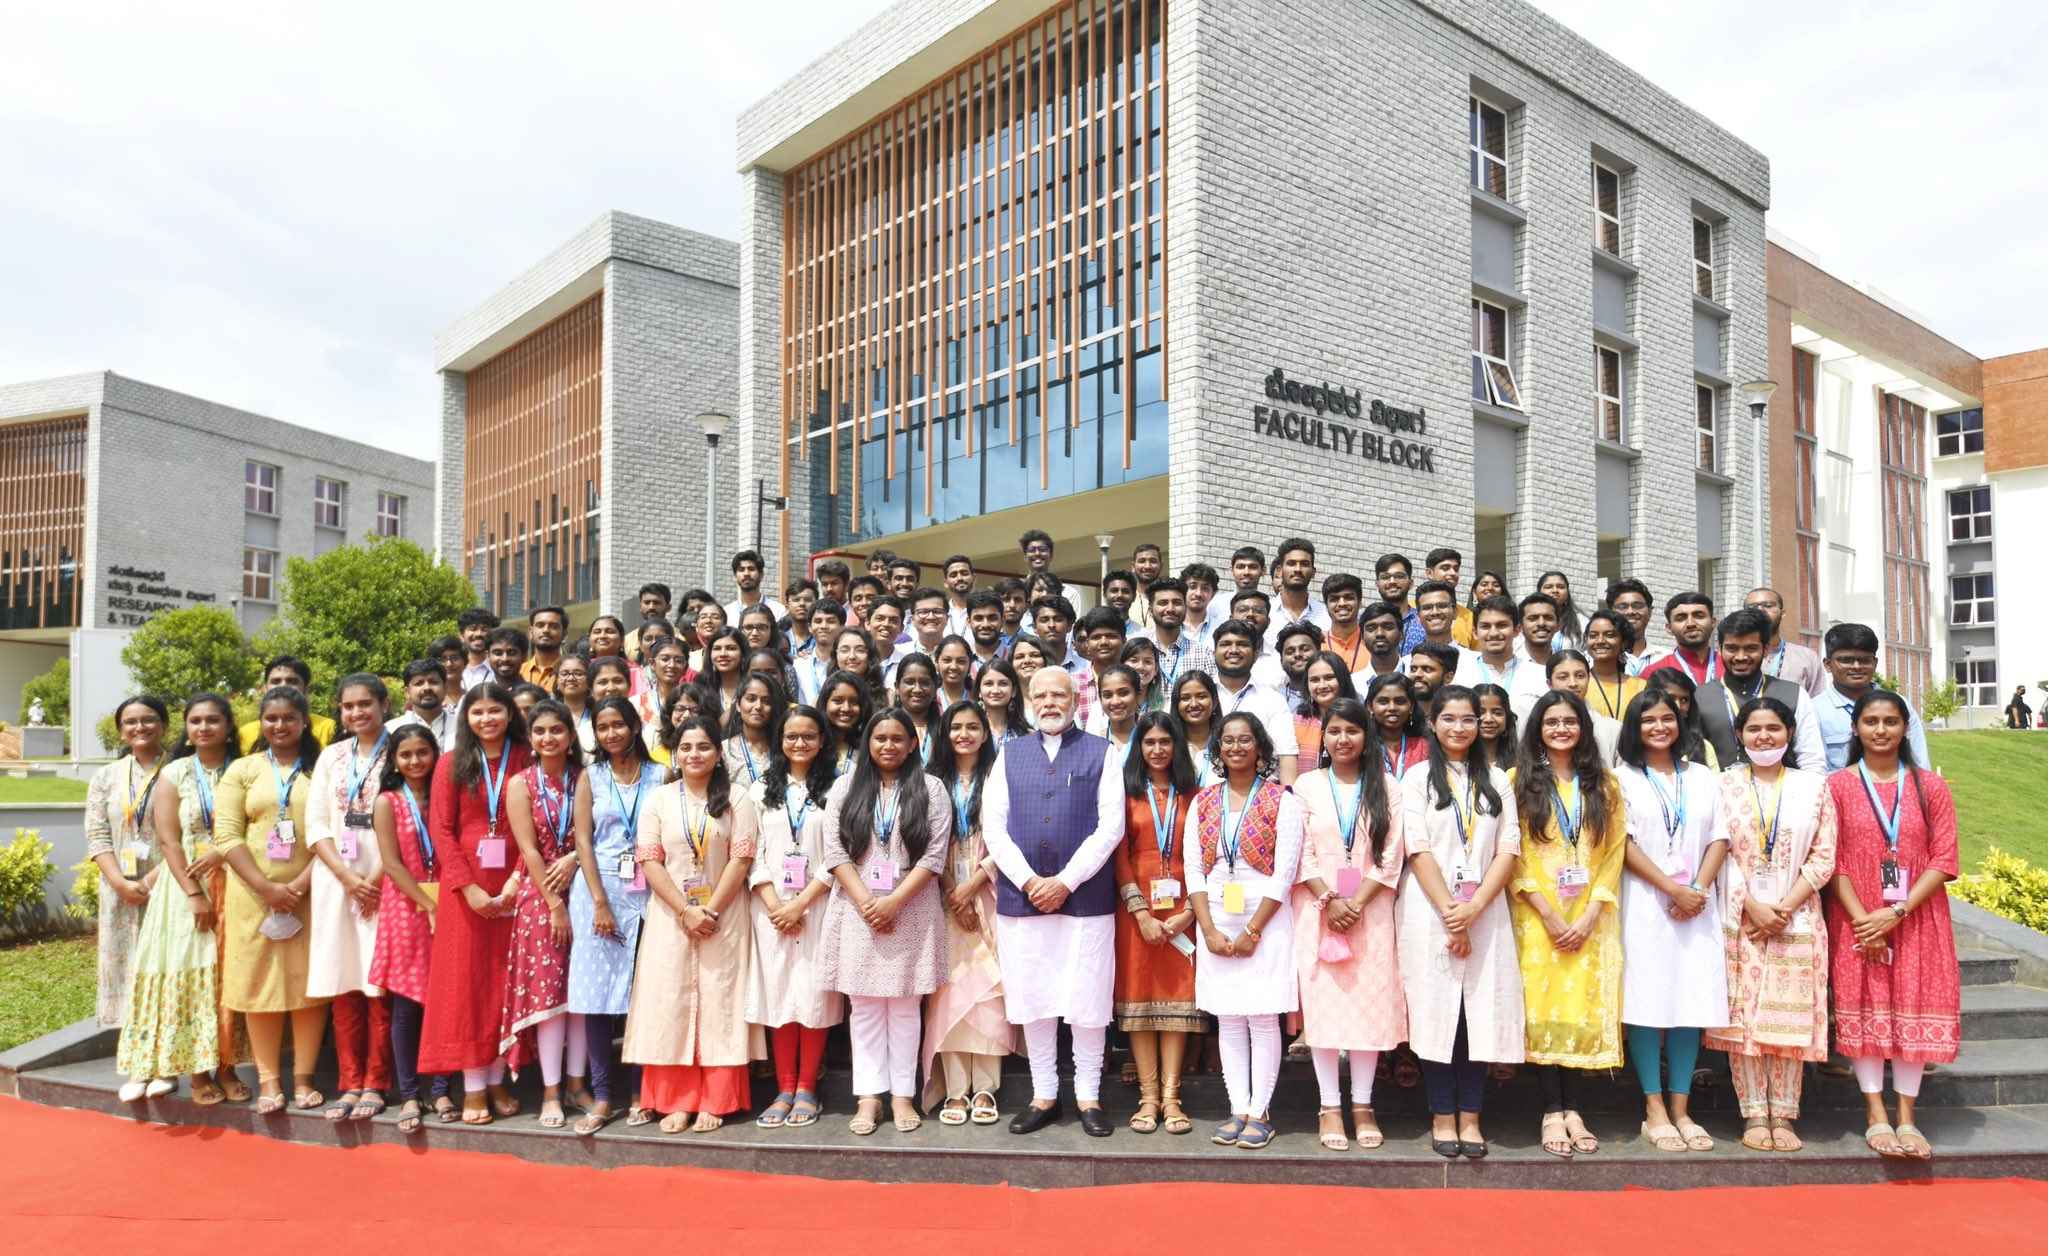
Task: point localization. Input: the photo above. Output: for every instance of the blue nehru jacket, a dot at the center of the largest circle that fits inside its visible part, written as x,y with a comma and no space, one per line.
1052,811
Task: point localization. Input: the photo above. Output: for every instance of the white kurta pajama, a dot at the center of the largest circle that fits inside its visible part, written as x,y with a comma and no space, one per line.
343,938
1676,974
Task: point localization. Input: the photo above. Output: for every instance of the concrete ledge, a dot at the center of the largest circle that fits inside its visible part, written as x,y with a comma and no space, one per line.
1977,927
74,1044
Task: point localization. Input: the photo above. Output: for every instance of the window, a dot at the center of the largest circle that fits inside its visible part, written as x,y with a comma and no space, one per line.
1489,148
1971,601
259,488
1977,682
327,498
1607,407
1606,209
1961,432
1706,407
390,514
1703,258
1493,379
259,574
1969,513
1708,573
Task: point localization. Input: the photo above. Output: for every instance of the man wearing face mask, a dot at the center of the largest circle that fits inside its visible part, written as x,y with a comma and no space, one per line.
1742,636
1237,644
1052,814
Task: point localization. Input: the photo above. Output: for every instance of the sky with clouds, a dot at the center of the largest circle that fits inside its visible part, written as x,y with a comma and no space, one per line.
276,207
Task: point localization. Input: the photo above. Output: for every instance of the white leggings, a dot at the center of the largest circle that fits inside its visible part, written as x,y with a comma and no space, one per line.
475,1079
579,1050
885,1036
1363,1065
1042,1041
1870,1076
1250,1046
553,1034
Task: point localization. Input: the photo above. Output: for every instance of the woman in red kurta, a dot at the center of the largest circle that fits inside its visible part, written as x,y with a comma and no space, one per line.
479,893
1155,980
1892,948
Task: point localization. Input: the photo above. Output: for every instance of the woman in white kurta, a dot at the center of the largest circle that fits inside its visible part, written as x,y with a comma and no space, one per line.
1675,983
1243,841
1454,934
118,839
347,886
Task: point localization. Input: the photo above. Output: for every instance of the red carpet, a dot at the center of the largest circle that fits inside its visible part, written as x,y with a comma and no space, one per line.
83,1182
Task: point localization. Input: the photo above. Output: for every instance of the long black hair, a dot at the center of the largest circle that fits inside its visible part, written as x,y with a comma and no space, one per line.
469,751
1013,711
1346,687
921,662
548,706
1764,702
1413,728
947,768
1906,763
717,790
393,779
1208,682
1267,764
1478,760
1568,620
1352,711
1629,747
231,746
857,808
1138,777
711,674
871,675
818,781
1673,680
149,702
631,715
778,704
850,740
1534,787
309,745
1500,752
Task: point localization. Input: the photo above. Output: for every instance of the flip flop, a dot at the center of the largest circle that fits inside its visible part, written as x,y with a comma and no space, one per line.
367,1107
1913,1143
1696,1138
269,1105
409,1118
638,1116
805,1110
591,1122
306,1100
343,1104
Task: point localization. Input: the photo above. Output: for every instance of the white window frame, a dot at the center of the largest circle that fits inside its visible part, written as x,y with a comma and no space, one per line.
328,510
261,482
259,571
1977,523
1976,681
1601,218
1957,443
1977,605
1481,158
1707,427
1606,403
1703,267
1510,396
390,514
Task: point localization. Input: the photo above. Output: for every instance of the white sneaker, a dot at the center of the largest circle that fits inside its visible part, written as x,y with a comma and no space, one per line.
159,1087
131,1092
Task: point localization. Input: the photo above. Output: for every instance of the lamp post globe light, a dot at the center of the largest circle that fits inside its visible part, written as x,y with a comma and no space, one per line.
713,425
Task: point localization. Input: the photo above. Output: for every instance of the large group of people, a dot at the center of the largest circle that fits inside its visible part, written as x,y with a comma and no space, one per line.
1426,836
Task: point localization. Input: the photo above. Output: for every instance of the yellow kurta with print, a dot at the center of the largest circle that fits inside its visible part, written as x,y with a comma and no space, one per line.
1572,1000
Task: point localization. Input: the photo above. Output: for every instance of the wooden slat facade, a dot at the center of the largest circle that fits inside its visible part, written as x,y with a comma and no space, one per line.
42,522
533,471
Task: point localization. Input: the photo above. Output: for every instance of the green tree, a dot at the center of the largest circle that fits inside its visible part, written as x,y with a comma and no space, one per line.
365,608
178,653
1942,701
54,688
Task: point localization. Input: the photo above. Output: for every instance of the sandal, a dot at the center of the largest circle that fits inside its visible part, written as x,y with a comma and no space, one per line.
1146,1119
1332,1140
1663,1137
231,1086
592,1120
1555,1140
637,1115
1756,1135
907,1124
1257,1132
1177,1121
205,1093
1583,1142
1913,1143
367,1107
863,1123
502,1100
1366,1127
552,1120
1884,1140
805,1110
954,1111
269,1105
409,1117
1783,1137
983,1110
707,1123
675,1123
305,1099
343,1105
445,1110
1696,1138
158,1087
776,1114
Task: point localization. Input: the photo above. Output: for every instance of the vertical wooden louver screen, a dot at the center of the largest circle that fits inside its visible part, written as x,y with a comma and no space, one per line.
42,522
533,466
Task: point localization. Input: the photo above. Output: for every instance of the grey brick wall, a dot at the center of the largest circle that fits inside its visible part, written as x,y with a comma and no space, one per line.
759,417
448,470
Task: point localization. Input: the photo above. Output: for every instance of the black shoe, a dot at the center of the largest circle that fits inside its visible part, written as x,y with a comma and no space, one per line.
1445,1147
1472,1151
1095,1122
1030,1119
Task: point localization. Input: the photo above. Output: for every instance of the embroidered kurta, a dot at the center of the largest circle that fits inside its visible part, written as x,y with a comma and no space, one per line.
1486,984
172,1025
1675,975
1155,985
690,994
257,974
1909,1009
1268,861
911,958
966,1013
1351,1002
466,987
343,938
1777,989
117,824
1571,1001
537,973
601,968
783,986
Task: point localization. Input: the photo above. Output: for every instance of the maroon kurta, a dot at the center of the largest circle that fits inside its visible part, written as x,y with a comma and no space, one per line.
466,988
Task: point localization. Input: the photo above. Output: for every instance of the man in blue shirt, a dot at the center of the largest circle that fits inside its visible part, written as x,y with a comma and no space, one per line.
1852,662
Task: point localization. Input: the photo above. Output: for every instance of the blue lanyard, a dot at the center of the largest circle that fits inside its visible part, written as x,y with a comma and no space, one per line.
1777,809
1395,766
357,777
1713,664
1568,820
1674,810
1347,825
1233,833
632,813
1776,667
419,829
205,786
797,813
1180,644
558,817
284,785
1889,823
494,786
961,801
885,816
1162,825
753,768
924,741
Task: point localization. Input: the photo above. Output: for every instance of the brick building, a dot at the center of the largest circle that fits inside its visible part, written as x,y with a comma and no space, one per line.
1009,264
573,468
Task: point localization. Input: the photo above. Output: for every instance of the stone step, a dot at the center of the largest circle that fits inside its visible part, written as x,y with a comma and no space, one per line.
1987,968
2005,1010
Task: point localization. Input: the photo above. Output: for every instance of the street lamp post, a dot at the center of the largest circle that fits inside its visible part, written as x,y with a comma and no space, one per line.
1103,540
1758,393
713,424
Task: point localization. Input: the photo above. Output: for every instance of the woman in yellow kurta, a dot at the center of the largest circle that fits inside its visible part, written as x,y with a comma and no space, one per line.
263,975
1566,900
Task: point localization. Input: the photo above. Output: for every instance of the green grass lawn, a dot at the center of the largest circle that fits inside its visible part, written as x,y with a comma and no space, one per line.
1997,777
41,789
45,986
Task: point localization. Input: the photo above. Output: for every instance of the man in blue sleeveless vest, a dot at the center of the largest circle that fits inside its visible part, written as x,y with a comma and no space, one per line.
1052,814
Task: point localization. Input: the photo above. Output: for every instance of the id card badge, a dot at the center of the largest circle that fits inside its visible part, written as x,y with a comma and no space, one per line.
1348,881
698,891
796,873
1571,880
345,845
1893,878
1464,886
279,847
880,876
490,853
1680,871
132,856
1165,893
1233,897
1763,887
629,872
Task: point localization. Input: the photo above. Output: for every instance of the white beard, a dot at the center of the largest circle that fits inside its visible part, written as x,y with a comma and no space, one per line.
1050,729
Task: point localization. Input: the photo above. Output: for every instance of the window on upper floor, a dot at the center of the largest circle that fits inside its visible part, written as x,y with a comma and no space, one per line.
1493,376
1606,209
1489,133
1976,681
1703,258
328,496
259,487
1969,513
1609,420
259,574
1958,432
1707,413
390,514
1970,602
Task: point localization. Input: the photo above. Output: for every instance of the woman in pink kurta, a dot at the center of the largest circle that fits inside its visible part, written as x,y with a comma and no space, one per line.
1351,861
1892,948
